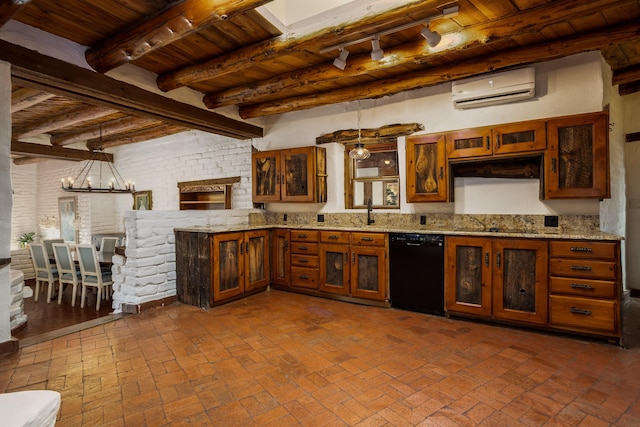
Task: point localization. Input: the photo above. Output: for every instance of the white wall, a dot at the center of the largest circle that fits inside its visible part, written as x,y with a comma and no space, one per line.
632,161
23,220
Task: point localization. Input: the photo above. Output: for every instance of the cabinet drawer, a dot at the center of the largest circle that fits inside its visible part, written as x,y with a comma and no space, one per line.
368,239
334,237
304,235
583,287
583,313
305,277
304,248
582,268
580,249
305,260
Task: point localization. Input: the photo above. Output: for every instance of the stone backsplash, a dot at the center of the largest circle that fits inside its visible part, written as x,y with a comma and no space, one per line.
511,223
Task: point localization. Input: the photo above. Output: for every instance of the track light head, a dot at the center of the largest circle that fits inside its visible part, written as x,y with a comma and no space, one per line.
376,52
432,37
341,61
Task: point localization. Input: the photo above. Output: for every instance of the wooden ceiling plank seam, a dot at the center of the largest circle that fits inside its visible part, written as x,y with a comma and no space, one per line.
26,97
278,46
64,119
139,135
627,75
32,69
526,55
104,129
167,26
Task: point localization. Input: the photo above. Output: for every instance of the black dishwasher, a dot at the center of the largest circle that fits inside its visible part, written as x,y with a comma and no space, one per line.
416,272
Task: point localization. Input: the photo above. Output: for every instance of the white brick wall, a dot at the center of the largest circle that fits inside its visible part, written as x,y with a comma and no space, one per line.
23,214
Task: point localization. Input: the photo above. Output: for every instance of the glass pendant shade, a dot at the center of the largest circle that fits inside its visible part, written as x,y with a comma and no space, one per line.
359,152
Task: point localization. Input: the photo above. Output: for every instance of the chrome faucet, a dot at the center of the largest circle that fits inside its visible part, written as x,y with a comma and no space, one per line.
369,209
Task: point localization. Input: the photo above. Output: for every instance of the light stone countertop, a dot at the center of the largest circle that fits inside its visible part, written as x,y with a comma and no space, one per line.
547,233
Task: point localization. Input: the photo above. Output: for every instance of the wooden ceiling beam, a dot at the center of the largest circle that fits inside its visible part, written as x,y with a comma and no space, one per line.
626,75
25,97
9,8
28,160
71,117
167,26
50,152
32,69
277,47
133,137
414,52
101,130
432,76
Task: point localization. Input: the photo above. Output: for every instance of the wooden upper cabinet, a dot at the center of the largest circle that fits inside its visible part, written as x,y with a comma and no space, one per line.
469,143
512,138
426,169
292,175
577,159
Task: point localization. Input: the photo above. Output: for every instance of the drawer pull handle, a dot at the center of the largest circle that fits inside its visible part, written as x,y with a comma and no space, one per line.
303,236
581,267
303,248
303,260
580,311
580,249
581,286
367,239
304,277
334,236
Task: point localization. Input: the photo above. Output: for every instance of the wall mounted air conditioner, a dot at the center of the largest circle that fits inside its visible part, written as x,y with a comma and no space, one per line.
493,89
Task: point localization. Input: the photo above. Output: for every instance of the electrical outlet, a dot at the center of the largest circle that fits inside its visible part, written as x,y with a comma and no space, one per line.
551,220
423,219
284,217
320,217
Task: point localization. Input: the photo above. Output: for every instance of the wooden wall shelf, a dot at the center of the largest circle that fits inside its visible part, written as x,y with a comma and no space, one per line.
209,194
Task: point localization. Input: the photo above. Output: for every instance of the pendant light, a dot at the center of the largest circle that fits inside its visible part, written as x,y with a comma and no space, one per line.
359,152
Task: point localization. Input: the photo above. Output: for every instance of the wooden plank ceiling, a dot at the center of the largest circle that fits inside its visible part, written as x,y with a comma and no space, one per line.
234,56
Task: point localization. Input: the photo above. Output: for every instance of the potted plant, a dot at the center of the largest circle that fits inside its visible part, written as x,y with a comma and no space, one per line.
26,238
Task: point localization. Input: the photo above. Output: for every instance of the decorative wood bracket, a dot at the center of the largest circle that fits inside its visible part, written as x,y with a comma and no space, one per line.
385,133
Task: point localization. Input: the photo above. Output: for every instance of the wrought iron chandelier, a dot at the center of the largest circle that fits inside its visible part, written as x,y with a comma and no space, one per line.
109,179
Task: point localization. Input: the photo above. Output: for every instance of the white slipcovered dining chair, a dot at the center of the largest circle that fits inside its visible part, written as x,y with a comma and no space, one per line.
68,273
44,272
108,244
92,276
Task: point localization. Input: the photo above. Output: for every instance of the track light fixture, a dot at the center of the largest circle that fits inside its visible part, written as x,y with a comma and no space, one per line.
376,52
341,61
432,37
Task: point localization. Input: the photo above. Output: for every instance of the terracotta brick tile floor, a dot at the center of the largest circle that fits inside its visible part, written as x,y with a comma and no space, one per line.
285,359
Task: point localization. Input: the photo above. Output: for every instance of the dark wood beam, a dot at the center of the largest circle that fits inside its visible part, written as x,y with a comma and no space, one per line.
9,8
50,152
629,88
626,75
28,160
31,69
277,47
436,75
167,26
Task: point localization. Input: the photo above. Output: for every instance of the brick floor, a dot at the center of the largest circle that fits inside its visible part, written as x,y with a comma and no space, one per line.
285,359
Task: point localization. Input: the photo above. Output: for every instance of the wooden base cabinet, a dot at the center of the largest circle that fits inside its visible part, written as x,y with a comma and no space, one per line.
281,259
584,282
305,271
354,264
503,279
240,263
